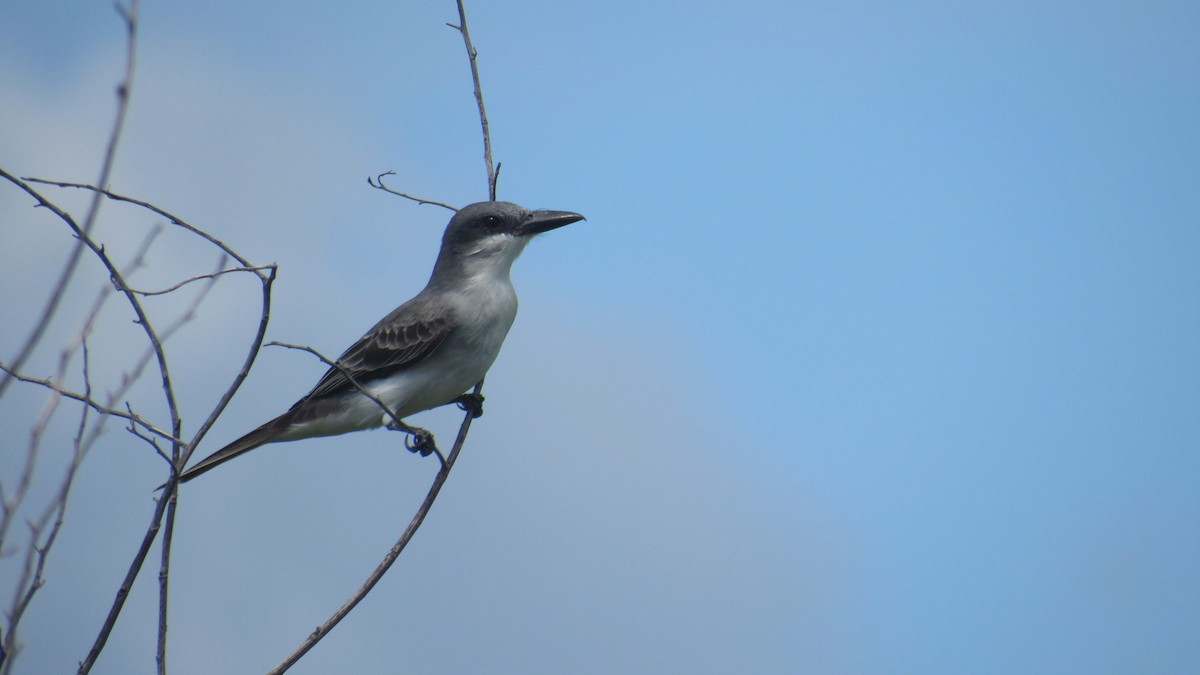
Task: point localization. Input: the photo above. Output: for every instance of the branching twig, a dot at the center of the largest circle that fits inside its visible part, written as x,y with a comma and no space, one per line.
180,450
175,220
179,455
169,493
33,578
29,585
92,403
143,320
12,502
123,89
377,183
106,410
127,381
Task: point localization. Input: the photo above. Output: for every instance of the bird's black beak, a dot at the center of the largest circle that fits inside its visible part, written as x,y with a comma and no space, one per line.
544,221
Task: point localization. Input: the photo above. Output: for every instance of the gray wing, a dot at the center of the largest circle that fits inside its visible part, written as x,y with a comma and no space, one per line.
409,334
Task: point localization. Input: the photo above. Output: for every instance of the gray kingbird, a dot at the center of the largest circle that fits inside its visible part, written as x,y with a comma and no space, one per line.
428,351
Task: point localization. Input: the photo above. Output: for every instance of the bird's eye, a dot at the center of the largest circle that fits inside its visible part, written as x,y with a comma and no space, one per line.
491,222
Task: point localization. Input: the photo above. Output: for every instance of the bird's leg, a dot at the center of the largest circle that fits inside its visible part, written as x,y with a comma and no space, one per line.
418,439
472,403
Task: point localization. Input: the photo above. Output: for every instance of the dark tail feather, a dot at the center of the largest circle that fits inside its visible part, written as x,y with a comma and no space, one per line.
264,434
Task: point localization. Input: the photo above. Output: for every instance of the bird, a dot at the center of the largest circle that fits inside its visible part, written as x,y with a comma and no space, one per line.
428,351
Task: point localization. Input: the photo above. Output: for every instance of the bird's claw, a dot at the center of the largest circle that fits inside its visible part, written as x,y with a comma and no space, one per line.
418,440
472,403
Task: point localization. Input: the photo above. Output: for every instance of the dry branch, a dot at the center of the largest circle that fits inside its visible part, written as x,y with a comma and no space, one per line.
377,183
473,57
129,16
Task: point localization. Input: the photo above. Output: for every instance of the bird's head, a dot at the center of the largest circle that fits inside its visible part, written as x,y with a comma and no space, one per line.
495,233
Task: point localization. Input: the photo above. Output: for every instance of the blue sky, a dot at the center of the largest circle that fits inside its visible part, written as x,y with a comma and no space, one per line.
878,353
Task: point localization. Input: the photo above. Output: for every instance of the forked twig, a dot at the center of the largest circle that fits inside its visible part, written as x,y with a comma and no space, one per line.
114,137
377,183
175,220
178,461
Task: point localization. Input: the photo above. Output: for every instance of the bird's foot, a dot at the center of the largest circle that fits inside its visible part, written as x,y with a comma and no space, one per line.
418,440
421,441
472,403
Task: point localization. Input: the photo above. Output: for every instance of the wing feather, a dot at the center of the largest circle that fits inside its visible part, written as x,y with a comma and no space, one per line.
409,334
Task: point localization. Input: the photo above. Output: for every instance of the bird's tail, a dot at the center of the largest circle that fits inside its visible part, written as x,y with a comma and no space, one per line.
264,434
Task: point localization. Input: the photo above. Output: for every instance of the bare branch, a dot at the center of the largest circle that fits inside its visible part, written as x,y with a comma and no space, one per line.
169,495
143,320
35,558
199,277
126,585
56,295
266,274
175,220
136,423
90,402
110,153
12,502
11,370
267,281
179,451
164,568
473,56
377,183
397,548
150,440
139,427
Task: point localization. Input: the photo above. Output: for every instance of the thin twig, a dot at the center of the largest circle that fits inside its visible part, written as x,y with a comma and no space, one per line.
349,377
126,585
11,503
127,380
90,402
180,450
167,500
200,277
56,295
150,440
377,183
473,56
175,220
176,453
267,281
160,657
56,509
173,409
123,90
